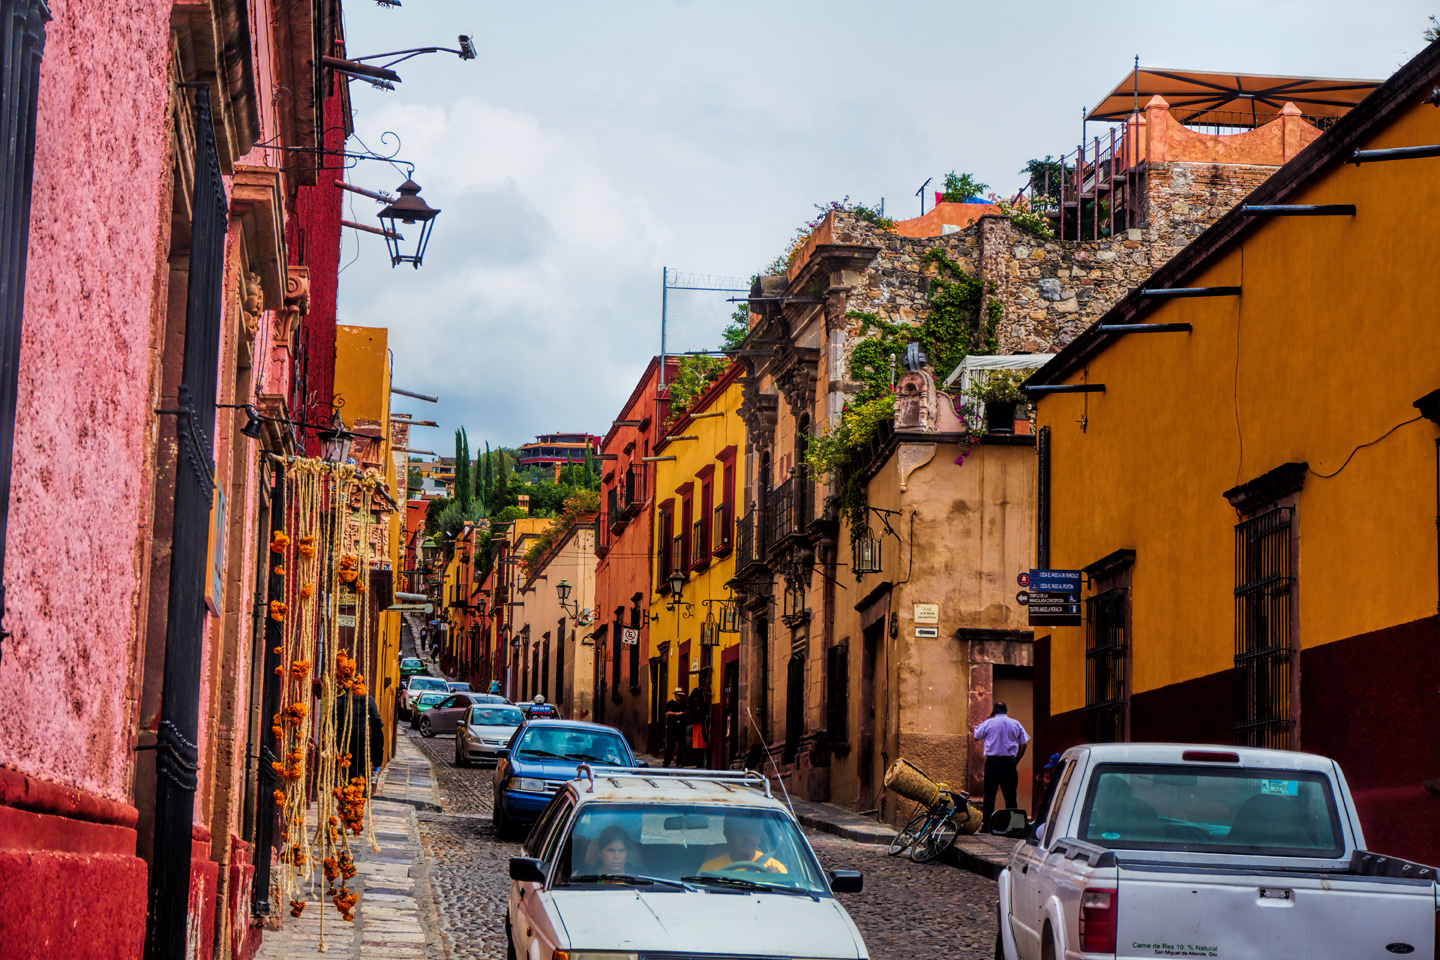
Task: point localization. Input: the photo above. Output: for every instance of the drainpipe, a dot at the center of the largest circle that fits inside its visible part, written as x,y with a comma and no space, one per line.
177,756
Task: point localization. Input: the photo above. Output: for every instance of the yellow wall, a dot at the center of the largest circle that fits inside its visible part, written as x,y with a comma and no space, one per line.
1328,347
714,434
362,382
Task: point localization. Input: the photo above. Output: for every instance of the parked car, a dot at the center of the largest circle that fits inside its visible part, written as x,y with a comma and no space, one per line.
484,731
542,756
445,716
411,666
1147,850
457,686
674,864
415,686
422,705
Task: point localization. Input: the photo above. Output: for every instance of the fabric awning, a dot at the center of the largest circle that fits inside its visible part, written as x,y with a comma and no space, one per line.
1202,97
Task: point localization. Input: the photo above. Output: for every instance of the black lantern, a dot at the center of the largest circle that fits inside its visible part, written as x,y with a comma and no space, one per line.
866,554
708,631
409,210
563,588
729,617
677,584
254,424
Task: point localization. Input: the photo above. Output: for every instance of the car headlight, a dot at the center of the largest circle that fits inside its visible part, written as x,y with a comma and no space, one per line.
531,785
594,955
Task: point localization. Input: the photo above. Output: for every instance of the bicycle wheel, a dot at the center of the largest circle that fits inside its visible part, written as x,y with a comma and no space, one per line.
907,836
936,840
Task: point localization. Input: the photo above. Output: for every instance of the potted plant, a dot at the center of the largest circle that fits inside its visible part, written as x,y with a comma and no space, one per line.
1001,392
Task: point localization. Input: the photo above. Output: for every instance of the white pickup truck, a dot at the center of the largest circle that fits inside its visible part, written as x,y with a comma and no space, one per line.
1168,850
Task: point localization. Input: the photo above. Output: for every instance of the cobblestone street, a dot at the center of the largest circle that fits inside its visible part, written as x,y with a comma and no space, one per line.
907,909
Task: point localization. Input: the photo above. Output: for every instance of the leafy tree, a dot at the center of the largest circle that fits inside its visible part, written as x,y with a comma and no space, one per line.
962,187
413,480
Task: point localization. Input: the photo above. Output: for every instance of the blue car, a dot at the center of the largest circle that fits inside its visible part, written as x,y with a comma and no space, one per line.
541,757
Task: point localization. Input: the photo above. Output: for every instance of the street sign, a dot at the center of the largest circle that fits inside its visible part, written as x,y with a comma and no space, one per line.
1023,597
629,636
1055,581
1023,579
410,608
927,613
1054,598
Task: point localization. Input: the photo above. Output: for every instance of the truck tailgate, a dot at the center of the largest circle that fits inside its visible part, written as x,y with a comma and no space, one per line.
1231,915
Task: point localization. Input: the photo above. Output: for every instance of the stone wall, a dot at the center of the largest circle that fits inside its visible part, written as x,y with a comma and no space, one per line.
1051,290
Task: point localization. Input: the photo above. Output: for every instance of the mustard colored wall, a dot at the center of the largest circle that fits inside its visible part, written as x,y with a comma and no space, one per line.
715,434
1329,345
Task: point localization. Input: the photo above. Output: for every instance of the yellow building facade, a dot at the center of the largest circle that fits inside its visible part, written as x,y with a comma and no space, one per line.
1251,492
698,470
362,392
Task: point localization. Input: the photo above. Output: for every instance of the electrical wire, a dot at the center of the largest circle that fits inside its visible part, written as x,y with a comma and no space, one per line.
1327,476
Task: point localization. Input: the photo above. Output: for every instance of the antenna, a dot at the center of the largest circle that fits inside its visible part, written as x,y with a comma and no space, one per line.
766,746
921,194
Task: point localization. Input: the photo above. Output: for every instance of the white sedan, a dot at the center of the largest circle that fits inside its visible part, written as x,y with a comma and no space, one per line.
636,863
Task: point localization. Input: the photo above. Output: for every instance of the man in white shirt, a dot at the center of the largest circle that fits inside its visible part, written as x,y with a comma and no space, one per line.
1005,743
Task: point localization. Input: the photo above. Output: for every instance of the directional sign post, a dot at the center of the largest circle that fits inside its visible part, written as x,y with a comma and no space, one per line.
1054,598
410,608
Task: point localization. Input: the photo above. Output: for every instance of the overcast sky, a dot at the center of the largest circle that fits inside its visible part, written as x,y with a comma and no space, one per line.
595,142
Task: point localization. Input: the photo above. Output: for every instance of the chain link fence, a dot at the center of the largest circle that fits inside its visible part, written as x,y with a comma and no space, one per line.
696,309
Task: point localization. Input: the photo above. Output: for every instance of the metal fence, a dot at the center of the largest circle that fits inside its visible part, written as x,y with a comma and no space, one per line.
695,309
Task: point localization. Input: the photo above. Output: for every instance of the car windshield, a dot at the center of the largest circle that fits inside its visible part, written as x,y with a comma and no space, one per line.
429,699
495,717
549,741
1285,813
428,683
411,663
705,847
459,687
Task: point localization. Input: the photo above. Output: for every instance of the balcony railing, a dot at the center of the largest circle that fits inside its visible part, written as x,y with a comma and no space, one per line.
749,541
787,510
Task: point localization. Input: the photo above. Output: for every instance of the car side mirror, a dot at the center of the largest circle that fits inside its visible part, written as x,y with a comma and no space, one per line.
1009,823
641,763
846,881
503,752
526,870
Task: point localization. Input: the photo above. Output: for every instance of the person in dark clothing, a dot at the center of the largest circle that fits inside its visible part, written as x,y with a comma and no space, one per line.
1005,742
695,733
360,712
675,710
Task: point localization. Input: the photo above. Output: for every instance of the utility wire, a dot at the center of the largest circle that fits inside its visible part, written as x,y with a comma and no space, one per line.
1327,476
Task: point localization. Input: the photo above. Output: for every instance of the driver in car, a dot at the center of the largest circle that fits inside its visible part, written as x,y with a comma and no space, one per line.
742,845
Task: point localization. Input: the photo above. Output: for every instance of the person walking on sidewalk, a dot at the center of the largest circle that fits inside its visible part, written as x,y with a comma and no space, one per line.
1005,742
675,710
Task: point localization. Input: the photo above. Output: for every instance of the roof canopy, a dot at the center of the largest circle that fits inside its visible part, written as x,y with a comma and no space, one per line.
1230,99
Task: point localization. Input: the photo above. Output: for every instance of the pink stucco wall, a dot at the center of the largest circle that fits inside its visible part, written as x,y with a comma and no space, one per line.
77,503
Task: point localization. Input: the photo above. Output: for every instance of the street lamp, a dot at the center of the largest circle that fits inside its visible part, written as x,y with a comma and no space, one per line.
677,586
582,616
409,209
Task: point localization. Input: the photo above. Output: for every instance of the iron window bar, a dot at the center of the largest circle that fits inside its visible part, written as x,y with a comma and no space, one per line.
1144,328
1298,209
1184,292
1264,651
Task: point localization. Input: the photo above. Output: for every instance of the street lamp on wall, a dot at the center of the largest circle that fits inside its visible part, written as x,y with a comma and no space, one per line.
410,209
581,615
866,554
677,587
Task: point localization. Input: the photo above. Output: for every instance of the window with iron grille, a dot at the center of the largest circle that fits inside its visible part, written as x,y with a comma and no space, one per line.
1105,642
1264,650
837,682
615,648
545,667
635,648
677,554
794,707
665,556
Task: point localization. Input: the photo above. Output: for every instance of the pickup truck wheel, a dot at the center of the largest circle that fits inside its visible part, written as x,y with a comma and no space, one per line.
509,939
999,939
1047,944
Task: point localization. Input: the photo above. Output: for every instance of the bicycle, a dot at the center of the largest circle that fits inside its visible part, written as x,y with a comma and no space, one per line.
932,830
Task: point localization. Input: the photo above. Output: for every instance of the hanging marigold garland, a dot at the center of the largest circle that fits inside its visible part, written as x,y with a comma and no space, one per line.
319,500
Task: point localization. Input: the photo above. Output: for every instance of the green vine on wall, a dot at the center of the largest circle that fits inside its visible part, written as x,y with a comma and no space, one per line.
963,321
